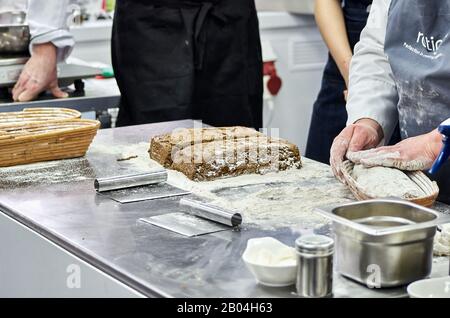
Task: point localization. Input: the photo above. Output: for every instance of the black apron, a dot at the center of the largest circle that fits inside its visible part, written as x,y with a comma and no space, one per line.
180,59
418,47
329,115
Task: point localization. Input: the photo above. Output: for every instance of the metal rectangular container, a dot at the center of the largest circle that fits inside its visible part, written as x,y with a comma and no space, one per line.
384,243
14,33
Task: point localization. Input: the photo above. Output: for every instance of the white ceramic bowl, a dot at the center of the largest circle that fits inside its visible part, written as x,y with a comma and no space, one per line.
271,262
430,288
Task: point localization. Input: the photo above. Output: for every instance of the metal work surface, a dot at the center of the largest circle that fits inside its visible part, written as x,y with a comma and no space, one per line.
58,200
98,95
67,73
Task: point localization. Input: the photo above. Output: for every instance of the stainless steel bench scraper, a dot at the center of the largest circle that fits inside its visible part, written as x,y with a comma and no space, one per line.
137,187
197,218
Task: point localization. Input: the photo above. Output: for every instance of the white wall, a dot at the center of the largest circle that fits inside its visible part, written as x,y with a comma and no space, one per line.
301,59
93,41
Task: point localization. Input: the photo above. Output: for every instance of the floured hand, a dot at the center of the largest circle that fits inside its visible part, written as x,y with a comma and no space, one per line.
412,154
364,134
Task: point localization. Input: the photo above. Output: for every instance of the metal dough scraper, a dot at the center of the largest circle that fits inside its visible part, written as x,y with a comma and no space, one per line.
197,218
137,187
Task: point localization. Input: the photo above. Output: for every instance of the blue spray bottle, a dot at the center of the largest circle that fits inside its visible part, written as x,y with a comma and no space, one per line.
444,129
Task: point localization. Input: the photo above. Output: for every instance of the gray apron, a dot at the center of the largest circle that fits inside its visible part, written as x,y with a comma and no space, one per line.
418,47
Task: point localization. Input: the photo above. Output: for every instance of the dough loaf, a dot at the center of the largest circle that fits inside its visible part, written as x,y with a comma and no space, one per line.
209,153
380,182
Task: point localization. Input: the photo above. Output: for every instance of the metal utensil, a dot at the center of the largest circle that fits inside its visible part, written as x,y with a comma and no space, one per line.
211,212
384,243
196,218
444,129
130,181
185,224
145,193
137,187
12,17
14,33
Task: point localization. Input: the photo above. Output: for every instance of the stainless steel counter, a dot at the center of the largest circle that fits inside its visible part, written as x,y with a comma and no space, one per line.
99,95
150,260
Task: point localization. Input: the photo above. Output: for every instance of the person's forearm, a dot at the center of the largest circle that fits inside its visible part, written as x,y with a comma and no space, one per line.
47,21
45,49
372,89
330,19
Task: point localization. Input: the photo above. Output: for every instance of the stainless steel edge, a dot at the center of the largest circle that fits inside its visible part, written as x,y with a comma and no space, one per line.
328,213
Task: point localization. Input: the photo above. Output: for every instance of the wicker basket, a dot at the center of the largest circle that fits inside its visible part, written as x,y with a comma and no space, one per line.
30,141
36,115
429,187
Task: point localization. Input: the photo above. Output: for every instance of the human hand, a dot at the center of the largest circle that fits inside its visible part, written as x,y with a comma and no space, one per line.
39,74
364,134
412,154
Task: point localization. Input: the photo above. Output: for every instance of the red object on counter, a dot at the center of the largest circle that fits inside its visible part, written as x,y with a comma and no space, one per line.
275,82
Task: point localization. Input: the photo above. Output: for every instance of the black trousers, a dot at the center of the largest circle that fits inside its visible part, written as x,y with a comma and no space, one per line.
178,59
329,114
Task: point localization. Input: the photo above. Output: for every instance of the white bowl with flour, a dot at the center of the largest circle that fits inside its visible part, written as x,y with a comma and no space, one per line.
271,262
430,288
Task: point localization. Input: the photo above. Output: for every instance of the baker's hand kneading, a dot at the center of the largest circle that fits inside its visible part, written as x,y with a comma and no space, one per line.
39,74
412,154
362,135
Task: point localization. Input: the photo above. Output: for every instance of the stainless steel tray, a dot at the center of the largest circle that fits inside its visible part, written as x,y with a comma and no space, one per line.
351,215
384,243
14,33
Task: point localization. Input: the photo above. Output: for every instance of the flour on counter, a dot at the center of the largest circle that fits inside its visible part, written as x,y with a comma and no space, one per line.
77,169
283,199
140,161
275,200
49,172
442,241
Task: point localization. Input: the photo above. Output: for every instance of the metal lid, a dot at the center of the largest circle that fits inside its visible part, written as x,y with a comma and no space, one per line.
314,245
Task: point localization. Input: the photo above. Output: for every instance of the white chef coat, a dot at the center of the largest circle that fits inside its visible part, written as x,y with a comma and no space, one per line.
48,22
372,89
13,5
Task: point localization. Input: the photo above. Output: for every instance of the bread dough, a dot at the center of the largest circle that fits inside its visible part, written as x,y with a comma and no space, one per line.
381,182
442,241
204,154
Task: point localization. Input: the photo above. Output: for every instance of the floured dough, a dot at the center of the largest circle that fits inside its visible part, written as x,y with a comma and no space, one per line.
380,182
442,241
204,154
